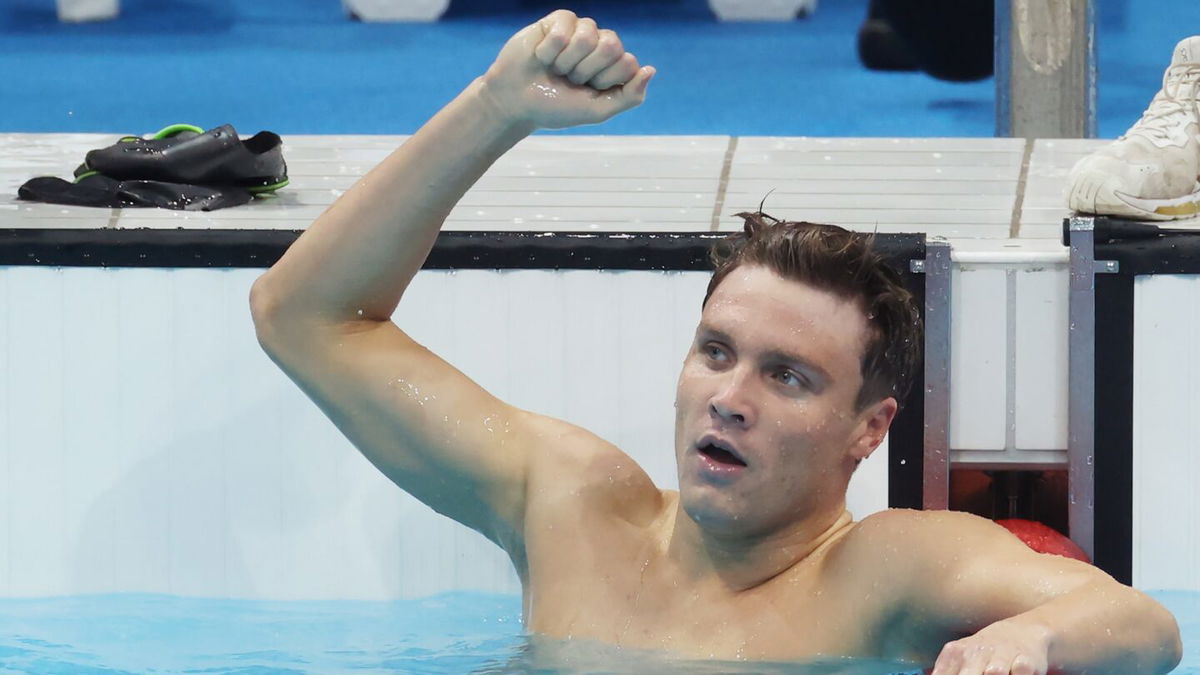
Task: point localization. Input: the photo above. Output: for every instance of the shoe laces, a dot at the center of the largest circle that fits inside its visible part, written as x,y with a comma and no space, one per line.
1177,104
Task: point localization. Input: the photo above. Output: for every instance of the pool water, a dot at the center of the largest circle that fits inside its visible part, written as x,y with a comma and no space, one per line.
458,632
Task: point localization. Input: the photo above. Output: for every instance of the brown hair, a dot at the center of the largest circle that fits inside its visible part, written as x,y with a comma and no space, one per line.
844,263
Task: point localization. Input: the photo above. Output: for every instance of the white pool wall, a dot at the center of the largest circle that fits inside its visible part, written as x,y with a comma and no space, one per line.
147,444
1008,344
1166,432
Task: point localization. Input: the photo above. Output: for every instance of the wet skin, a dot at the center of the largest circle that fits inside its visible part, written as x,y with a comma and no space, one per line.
755,556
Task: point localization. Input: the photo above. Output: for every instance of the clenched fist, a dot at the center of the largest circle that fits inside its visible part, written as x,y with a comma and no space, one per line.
564,71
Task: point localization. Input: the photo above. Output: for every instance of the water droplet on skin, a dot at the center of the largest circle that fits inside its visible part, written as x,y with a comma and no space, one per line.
546,90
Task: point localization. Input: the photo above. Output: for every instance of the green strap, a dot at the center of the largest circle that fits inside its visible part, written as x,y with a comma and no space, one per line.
167,132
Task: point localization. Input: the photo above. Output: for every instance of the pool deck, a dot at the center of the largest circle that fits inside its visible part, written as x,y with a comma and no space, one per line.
984,195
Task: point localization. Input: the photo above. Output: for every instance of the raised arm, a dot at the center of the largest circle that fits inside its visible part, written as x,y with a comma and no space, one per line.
323,312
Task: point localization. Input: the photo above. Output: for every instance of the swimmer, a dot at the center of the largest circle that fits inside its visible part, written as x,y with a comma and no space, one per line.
805,345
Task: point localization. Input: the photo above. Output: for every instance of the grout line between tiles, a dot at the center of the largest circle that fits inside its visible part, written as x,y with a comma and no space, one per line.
723,183
1014,228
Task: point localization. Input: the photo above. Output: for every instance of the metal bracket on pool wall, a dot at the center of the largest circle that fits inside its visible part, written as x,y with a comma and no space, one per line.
1081,378
935,480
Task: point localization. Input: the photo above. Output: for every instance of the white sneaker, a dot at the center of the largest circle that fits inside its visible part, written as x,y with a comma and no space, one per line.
1152,172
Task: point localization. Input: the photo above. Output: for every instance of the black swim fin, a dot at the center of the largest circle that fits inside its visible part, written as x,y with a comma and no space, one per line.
104,191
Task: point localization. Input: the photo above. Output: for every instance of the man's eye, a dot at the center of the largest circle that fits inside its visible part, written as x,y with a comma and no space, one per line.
713,351
791,379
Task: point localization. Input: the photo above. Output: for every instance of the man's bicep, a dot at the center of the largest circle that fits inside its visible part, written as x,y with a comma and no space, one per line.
427,426
988,575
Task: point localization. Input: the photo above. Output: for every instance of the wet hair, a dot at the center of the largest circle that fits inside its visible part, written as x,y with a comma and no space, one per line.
844,263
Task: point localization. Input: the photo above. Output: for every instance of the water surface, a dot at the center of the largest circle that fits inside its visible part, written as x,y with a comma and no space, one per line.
458,632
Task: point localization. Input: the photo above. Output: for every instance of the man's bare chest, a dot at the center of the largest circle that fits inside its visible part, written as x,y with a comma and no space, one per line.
618,591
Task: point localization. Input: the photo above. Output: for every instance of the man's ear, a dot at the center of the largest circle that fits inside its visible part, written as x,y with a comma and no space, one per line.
873,424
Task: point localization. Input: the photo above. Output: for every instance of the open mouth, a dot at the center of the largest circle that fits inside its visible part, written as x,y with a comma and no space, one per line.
720,455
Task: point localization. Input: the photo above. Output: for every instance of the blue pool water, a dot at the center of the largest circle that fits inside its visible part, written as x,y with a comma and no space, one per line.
452,633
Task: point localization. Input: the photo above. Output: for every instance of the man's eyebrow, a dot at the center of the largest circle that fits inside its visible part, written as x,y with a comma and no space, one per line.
772,355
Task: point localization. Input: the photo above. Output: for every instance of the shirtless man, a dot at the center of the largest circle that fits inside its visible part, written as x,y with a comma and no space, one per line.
788,385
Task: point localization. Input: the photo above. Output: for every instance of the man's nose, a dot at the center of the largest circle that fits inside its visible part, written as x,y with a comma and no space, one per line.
732,402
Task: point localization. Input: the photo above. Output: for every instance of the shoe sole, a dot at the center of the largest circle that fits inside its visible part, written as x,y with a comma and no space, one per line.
1097,195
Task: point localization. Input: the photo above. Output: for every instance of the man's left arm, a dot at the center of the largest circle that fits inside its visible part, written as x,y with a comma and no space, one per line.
1027,613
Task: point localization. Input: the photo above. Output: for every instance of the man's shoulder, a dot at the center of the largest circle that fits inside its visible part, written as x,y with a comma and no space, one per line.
913,522
917,536
590,474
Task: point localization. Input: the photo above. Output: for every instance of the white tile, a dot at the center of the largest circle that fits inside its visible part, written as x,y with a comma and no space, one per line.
277,209
566,165
875,159
148,420
978,359
534,200
38,552
648,366
622,144
536,298
782,173
964,206
304,160
583,224
313,495
931,190
1041,358
599,214
254,462
92,432
476,306
593,397
353,141
607,185
198,386
376,528
1048,231
1166,511
7,385
27,215
973,145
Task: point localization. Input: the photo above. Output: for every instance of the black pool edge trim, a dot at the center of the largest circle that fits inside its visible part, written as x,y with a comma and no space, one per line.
1113,431
679,251
906,438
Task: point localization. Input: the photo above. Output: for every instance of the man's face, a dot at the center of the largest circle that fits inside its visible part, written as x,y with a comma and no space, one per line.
772,377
